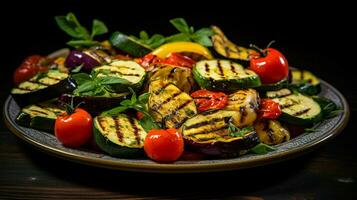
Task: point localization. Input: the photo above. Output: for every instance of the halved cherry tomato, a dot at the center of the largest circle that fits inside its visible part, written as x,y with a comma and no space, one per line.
164,145
28,69
139,115
179,60
74,129
269,109
148,61
206,100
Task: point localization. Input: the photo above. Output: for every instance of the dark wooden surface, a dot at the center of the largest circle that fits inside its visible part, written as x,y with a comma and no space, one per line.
312,38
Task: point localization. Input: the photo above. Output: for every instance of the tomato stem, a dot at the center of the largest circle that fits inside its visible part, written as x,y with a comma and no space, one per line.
255,47
270,43
70,108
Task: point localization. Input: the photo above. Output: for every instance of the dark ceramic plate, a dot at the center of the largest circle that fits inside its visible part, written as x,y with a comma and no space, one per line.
297,146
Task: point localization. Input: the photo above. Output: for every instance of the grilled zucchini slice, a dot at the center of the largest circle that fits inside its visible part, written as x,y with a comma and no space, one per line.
129,45
297,108
125,69
246,102
42,87
224,75
119,136
271,132
208,133
41,116
179,76
169,105
228,49
305,82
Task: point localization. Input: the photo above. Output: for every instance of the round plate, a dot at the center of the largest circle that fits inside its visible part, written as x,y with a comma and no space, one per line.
296,146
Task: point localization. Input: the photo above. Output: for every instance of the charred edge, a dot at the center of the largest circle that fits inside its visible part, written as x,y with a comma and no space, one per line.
207,68
100,122
233,69
174,111
243,113
269,132
179,124
209,112
136,130
167,100
286,105
172,72
117,129
301,112
161,89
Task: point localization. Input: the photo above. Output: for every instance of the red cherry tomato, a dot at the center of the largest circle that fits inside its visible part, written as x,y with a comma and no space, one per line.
179,60
74,129
272,67
139,115
28,69
206,100
269,109
164,145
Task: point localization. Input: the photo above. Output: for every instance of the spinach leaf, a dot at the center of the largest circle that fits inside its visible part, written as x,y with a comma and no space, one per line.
262,148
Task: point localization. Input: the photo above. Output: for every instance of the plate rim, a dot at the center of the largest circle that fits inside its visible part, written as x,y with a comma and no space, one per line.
187,167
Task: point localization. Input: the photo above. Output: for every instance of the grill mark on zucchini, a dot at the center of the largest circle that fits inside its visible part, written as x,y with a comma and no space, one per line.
207,68
209,112
220,68
233,69
39,83
100,121
167,100
136,130
211,131
120,73
178,124
38,111
117,129
210,122
174,111
301,112
162,89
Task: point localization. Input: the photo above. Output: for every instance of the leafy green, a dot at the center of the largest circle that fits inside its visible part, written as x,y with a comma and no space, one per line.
154,41
81,36
77,69
234,131
262,148
328,108
138,104
92,85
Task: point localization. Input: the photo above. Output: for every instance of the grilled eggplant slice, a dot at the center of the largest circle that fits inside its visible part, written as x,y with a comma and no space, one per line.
305,82
95,104
179,76
224,75
228,49
41,116
42,87
271,132
120,136
208,133
125,69
246,102
169,105
296,108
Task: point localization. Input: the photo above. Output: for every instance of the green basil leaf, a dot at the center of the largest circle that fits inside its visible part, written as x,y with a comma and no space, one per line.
40,75
67,27
133,97
126,102
181,25
262,148
98,28
85,87
242,132
86,43
143,98
143,35
81,78
178,37
204,40
115,111
148,123
207,32
77,69
108,80
155,41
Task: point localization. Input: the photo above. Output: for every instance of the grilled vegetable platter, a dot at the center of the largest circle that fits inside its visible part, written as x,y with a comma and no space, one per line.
192,95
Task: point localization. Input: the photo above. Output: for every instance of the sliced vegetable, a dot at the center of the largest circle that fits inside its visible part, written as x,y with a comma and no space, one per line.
129,45
178,47
274,86
271,132
179,60
95,104
41,116
209,133
28,69
88,59
269,109
132,74
179,76
246,102
206,100
119,136
224,75
305,82
228,49
297,108
74,127
42,87
164,145
169,105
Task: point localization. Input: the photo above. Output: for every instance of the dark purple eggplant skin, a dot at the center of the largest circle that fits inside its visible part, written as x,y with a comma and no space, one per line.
53,91
93,105
224,149
77,58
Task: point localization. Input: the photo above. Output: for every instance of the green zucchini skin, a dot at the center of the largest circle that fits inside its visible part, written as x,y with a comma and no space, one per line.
226,85
64,86
128,45
38,122
273,87
305,82
113,149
